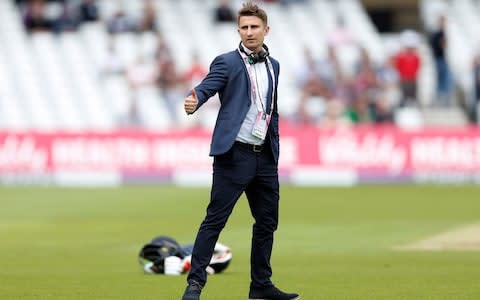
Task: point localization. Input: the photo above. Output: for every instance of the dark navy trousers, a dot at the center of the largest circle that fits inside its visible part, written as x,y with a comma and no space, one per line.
237,171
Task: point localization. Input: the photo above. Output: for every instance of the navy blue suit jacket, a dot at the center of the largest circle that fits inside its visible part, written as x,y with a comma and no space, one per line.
229,77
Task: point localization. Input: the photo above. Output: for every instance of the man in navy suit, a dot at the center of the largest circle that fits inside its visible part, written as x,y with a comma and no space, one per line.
245,147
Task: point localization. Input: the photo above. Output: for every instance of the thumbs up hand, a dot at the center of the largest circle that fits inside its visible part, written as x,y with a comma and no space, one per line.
190,103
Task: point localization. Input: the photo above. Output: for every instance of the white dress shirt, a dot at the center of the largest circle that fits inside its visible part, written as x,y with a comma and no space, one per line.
261,72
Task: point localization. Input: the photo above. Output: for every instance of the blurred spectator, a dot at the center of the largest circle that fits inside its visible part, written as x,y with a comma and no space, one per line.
112,64
439,44
340,35
67,20
192,77
35,19
382,111
329,67
477,77
195,73
366,88
310,85
223,12
388,94
120,22
148,19
407,62
88,11
389,80
133,118
162,51
334,115
476,70
167,78
287,2
140,73
170,85
332,75
21,3
358,111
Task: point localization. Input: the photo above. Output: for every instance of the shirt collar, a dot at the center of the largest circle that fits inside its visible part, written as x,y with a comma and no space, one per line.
248,51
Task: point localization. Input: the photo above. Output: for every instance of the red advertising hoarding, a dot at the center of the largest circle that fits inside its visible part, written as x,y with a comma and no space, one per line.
362,151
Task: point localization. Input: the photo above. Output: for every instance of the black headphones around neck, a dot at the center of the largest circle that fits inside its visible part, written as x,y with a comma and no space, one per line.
253,57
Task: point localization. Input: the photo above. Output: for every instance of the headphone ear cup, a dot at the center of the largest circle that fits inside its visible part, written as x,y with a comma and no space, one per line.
262,55
266,53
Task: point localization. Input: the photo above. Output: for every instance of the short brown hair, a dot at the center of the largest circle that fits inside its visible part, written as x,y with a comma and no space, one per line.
251,9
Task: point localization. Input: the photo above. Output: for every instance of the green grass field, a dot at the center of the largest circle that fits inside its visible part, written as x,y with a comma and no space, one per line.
332,243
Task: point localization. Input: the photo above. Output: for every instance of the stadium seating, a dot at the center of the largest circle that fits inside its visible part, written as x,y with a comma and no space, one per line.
53,82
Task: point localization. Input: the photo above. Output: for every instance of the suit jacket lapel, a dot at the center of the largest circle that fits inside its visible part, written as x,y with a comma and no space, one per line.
270,89
249,84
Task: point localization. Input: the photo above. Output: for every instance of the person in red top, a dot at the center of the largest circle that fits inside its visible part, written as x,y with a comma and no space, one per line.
407,63
195,73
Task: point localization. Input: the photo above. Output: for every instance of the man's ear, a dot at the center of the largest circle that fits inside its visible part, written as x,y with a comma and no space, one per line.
267,29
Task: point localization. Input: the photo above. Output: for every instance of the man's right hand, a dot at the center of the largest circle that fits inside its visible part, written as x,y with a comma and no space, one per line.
191,103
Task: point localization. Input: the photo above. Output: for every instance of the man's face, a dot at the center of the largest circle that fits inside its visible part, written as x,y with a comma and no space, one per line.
252,32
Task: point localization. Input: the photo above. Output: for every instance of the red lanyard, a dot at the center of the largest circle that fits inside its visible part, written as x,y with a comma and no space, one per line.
254,83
